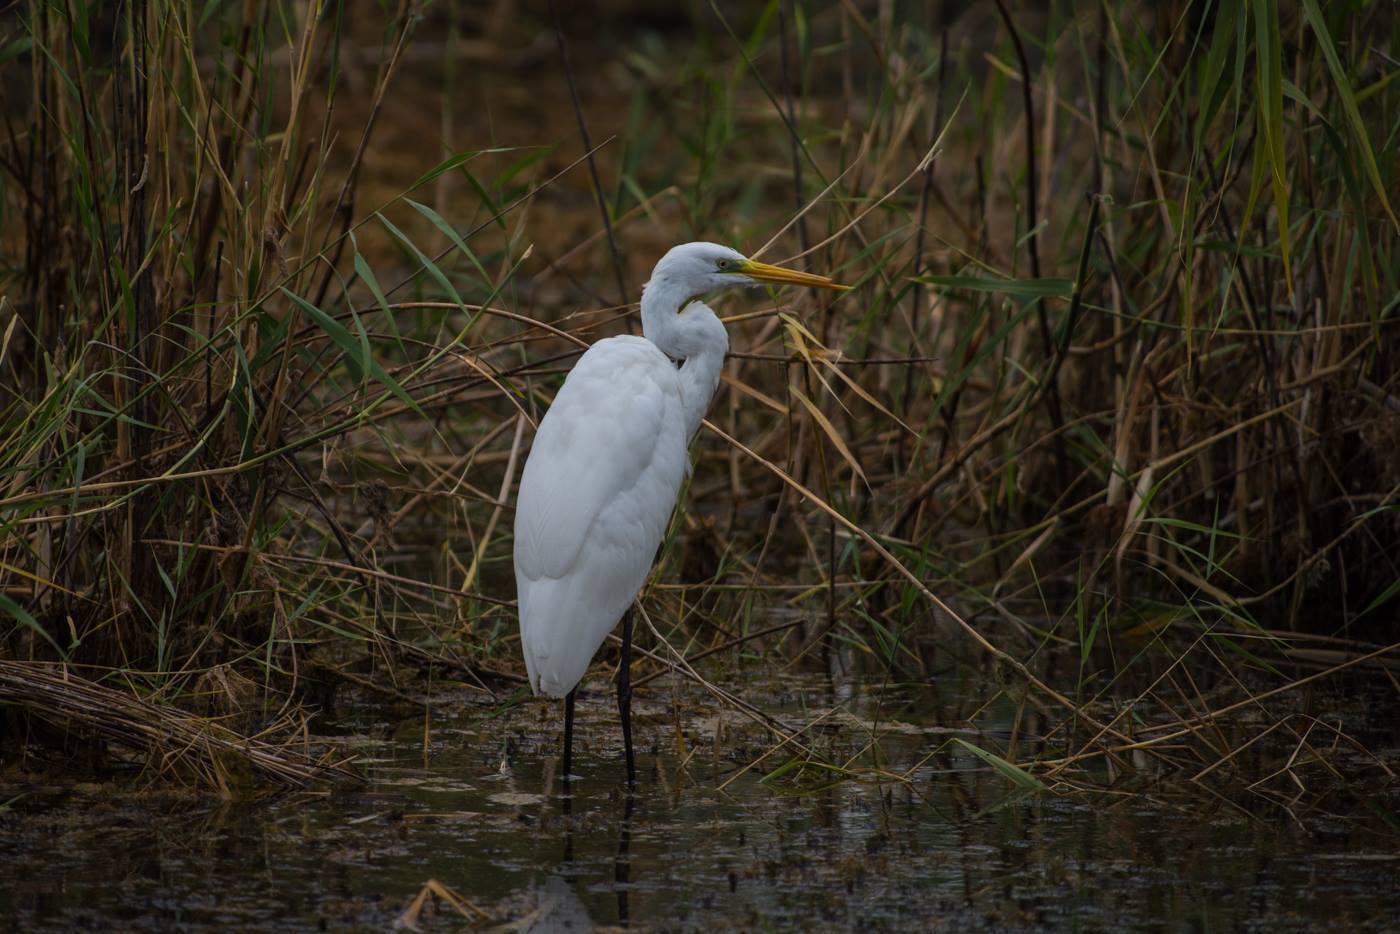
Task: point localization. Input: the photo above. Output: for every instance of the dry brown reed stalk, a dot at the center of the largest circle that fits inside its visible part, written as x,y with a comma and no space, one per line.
176,744
409,918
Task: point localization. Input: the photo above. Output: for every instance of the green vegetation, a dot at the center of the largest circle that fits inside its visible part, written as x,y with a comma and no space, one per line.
1115,403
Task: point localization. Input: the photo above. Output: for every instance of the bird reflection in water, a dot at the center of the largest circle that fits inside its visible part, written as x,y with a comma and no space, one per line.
559,889
622,865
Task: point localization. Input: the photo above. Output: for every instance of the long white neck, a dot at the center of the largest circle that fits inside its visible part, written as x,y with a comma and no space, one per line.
694,336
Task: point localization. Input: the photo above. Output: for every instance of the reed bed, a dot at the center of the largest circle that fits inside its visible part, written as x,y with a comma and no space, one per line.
1111,413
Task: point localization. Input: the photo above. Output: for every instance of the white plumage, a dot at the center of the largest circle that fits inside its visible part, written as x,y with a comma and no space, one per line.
597,490
608,460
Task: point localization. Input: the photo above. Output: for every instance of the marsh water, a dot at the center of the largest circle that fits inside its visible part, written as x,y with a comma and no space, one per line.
469,797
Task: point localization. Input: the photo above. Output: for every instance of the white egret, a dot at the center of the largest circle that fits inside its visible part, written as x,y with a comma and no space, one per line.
605,468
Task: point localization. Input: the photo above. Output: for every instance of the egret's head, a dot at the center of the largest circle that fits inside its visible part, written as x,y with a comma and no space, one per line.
706,267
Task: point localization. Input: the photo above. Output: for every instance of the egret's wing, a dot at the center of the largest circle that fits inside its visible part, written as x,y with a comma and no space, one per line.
595,495
564,620
595,443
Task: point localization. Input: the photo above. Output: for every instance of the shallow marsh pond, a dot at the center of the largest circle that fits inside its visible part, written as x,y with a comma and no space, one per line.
478,810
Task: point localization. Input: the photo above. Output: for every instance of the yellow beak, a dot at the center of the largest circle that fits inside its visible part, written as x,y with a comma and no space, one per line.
762,272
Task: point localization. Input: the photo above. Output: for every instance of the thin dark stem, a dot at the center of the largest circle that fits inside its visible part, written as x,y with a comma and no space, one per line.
592,164
209,335
1101,101
831,523
1076,303
792,127
1032,179
918,291
1052,398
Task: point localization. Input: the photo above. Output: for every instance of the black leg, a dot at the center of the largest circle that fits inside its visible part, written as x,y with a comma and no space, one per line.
624,695
568,736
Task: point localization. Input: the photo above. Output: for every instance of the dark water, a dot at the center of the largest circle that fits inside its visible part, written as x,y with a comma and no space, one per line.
954,847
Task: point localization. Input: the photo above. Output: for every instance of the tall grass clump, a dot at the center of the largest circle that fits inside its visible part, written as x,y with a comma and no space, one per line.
1115,398
181,365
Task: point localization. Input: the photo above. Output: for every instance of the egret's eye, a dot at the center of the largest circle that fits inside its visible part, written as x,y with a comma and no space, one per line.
725,265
